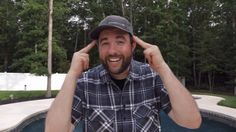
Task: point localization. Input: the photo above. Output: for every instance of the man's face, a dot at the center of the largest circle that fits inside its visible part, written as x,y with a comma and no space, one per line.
115,50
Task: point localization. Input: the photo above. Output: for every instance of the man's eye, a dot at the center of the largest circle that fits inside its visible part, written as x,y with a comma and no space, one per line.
120,42
104,44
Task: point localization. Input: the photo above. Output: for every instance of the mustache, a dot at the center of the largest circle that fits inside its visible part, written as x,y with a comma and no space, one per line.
115,55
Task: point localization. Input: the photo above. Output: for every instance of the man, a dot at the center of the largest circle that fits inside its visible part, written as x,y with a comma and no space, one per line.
121,94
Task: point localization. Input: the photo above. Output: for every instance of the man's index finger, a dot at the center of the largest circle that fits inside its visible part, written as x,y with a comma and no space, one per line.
141,43
88,47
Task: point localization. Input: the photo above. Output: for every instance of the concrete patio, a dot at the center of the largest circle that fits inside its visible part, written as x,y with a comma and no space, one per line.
11,115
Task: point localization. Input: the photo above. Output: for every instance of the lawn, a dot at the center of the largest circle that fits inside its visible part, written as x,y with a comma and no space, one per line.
16,96
5,96
230,100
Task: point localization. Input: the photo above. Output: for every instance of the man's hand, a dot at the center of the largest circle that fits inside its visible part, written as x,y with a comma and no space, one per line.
184,109
80,60
59,115
151,53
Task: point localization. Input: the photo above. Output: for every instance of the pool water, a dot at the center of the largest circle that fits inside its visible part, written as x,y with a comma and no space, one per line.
207,126
167,126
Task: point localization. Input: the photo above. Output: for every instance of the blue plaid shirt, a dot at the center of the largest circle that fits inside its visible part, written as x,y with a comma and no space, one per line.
104,107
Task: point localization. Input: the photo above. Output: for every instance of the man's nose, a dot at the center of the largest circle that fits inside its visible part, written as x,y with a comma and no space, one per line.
112,49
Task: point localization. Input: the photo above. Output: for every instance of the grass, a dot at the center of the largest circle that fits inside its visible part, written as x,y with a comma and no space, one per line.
5,96
230,100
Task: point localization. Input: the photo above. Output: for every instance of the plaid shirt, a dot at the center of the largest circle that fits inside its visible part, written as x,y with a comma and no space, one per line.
102,106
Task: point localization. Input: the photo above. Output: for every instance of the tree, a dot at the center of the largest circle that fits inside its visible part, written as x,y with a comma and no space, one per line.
8,30
50,25
196,38
162,23
227,37
31,49
201,41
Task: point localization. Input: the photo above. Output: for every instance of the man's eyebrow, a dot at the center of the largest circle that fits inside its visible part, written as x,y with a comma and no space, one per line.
103,39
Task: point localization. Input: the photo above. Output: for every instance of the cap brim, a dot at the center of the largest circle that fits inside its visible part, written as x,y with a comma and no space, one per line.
94,34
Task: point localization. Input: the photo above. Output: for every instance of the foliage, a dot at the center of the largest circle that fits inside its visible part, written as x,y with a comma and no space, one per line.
196,38
31,49
8,39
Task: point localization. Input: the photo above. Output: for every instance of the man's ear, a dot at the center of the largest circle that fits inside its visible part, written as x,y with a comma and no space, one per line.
133,44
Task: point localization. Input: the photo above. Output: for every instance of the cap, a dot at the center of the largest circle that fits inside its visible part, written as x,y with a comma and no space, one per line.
112,21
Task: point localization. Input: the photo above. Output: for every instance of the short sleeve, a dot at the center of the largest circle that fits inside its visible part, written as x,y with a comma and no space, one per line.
165,101
162,94
77,112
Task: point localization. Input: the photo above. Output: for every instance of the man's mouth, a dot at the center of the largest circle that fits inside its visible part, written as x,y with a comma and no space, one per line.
114,59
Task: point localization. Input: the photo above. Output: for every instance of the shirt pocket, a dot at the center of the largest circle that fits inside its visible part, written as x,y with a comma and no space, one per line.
146,118
100,120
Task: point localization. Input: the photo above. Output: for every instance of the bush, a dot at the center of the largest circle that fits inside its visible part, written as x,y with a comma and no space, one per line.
17,96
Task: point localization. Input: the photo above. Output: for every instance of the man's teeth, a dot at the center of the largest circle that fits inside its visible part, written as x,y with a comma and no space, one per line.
114,59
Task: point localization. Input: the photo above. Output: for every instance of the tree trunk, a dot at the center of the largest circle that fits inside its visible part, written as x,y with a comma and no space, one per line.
85,37
50,24
213,80
209,81
192,23
211,77
36,48
235,86
5,65
76,41
100,4
123,8
234,34
131,12
199,79
234,26
194,73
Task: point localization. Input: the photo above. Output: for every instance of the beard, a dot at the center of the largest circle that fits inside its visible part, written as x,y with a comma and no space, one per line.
125,63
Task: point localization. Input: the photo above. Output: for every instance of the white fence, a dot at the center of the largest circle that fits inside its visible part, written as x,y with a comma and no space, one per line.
27,81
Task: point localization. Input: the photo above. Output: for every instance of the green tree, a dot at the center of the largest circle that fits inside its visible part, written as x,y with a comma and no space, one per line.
196,37
201,40
8,30
227,39
162,23
31,49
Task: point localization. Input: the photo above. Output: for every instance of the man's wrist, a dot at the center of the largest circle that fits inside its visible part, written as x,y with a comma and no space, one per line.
162,66
74,74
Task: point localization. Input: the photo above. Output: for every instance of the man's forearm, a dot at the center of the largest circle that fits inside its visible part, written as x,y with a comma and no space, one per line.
59,115
184,109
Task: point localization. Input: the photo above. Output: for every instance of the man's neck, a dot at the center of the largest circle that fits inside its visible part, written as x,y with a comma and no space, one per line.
121,76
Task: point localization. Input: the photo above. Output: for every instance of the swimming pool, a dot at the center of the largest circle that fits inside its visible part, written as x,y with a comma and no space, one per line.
168,125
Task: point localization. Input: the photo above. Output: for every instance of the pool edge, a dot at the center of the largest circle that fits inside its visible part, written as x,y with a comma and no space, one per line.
220,117
212,115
